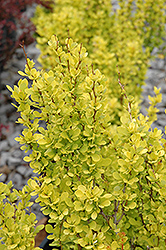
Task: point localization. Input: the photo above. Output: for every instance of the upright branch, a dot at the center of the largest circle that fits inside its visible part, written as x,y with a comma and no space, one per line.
79,57
22,46
122,87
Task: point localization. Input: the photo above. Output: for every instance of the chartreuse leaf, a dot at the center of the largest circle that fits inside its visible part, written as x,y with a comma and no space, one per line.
96,157
9,88
81,242
9,210
39,228
23,84
78,206
49,228
94,215
104,203
114,245
27,159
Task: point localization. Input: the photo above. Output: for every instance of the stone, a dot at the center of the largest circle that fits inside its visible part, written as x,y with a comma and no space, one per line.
162,121
6,109
21,170
5,170
3,178
14,161
16,179
17,153
4,158
4,146
28,173
11,139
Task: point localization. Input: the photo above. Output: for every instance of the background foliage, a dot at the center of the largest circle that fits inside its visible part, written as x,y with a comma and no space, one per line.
124,37
12,18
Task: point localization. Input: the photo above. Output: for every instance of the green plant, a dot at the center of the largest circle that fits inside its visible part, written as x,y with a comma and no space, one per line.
124,37
17,223
102,188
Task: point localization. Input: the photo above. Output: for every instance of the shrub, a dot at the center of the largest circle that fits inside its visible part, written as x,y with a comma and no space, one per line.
101,188
124,37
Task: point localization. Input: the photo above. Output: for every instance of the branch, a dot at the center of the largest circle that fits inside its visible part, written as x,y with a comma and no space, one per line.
143,222
123,213
116,206
129,103
22,46
79,57
105,217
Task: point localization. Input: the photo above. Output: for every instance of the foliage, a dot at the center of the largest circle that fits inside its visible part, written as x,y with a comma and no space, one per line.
102,189
124,37
16,222
12,18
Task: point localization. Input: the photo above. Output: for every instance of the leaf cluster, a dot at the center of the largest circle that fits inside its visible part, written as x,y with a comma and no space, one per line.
17,223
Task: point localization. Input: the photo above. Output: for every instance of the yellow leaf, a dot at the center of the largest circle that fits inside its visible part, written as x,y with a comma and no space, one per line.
114,245
94,215
82,188
96,157
132,205
27,159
